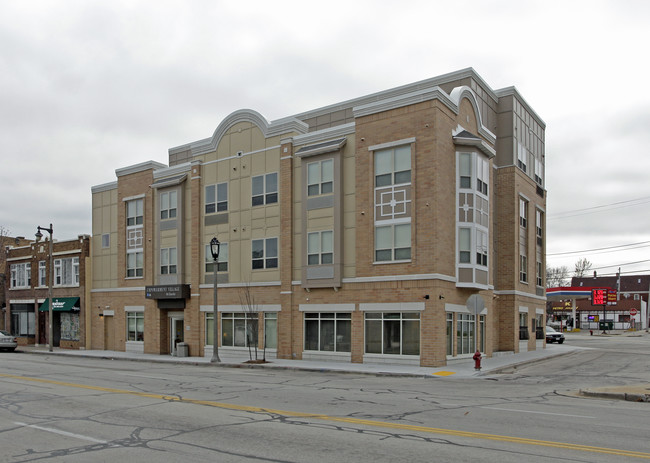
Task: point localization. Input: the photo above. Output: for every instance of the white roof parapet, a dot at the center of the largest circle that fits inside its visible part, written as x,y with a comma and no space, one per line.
278,127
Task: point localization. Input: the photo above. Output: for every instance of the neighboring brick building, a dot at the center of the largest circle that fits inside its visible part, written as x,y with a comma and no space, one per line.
5,242
28,273
403,226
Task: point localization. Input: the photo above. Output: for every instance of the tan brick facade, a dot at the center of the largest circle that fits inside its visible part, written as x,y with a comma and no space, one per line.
300,211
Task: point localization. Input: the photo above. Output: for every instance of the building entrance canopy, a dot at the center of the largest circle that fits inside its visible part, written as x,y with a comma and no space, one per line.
60,304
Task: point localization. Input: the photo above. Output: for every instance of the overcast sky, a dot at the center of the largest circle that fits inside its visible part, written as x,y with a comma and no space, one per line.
87,87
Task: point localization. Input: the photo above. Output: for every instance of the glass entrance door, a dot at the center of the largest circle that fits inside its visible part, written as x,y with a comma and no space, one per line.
176,330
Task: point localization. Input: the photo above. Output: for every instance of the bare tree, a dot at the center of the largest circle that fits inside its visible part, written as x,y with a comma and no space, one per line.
252,322
582,267
557,276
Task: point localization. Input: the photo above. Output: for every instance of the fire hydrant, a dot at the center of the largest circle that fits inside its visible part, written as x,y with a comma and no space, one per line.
477,360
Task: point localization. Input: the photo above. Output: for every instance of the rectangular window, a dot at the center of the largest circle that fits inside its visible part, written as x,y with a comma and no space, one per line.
271,330
465,168
42,273
481,328
134,212
134,264
216,198
465,245
106,241
320,177
465,333
21,275
539,172
238,329
539,217
265,253
523,269
393,333
320,248
481,248
23,323
523,213
168,205
167,261
393,166
328,332
522,157
540,274
393,242
450,333
209,329
523,326
482,175
135,326
66,271
265,189
222,265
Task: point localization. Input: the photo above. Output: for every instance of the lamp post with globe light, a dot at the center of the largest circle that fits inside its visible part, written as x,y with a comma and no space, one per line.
214,250
50,280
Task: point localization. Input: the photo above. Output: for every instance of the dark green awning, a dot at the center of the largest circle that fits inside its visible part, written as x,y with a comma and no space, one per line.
61,304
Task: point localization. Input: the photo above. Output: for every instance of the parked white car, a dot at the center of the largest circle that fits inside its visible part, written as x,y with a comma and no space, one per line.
7,341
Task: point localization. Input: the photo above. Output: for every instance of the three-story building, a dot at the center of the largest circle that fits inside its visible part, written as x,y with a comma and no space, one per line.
402,226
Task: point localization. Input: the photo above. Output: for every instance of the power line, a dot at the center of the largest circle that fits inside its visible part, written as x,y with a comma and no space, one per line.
595,209
599,249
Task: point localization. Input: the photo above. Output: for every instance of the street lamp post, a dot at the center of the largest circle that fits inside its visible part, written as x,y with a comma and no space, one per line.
39,235
214,250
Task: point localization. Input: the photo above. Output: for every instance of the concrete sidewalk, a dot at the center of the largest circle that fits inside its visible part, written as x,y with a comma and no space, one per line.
460,368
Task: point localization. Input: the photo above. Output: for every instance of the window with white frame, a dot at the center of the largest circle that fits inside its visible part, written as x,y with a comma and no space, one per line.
222,264
465,245
539,219
265,253
216,198
320,177
539,274
66,272
393,166
21,275
465,333
23,323
450,333
168,205
238,329
393,242
168,261
42,273
522,157
271,330
481,248
539,172
209,329
320,248
523,268
135,238
392,333
482,174
135,264
265,189
135,326
134,212
523,213
328,332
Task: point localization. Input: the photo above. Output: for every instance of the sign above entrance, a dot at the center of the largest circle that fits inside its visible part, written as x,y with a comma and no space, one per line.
167,292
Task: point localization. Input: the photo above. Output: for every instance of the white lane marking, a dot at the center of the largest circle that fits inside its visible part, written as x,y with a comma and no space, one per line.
63,433
539,413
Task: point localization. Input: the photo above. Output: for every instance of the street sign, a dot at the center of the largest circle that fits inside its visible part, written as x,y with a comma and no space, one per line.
633,312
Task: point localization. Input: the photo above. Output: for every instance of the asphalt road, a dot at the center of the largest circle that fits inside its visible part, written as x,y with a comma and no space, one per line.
63,409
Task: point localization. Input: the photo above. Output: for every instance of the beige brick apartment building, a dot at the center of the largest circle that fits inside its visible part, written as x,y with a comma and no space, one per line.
403,226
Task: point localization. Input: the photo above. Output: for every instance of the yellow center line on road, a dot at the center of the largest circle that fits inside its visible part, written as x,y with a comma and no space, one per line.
356,421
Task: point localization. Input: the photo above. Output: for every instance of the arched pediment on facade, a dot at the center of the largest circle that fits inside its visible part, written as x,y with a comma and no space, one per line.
268,129
464,92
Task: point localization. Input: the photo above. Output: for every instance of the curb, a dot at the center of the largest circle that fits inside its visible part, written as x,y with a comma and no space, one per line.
629,397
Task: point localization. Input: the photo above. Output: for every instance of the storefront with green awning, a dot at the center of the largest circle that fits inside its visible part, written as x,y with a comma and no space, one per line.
65,318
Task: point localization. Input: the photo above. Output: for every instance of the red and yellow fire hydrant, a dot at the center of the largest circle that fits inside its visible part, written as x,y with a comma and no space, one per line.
477,360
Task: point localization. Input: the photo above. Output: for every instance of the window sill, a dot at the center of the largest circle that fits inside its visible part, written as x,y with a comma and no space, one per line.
385,262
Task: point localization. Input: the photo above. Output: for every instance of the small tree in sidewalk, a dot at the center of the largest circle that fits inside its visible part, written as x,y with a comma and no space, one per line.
252,323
